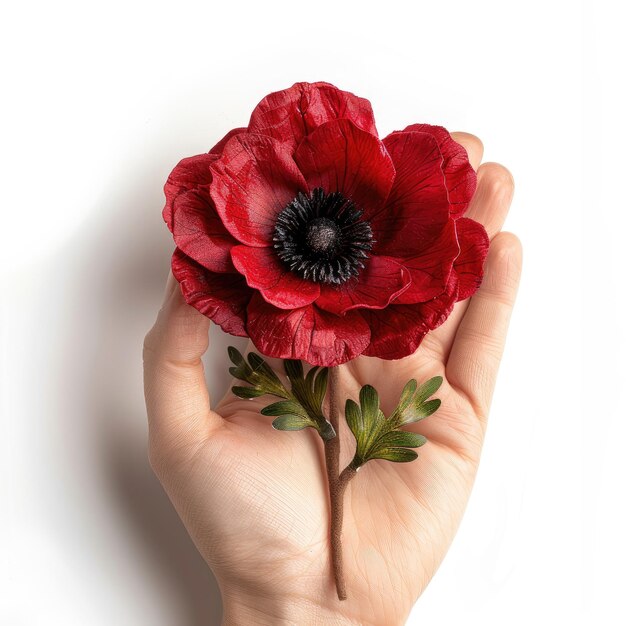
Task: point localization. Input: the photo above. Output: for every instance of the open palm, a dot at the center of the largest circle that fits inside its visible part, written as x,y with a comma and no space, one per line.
255,500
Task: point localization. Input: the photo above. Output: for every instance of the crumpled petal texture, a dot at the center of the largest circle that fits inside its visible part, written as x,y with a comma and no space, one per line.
412,188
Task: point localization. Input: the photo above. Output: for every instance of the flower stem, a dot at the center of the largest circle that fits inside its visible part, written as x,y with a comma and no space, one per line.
336,483
336,524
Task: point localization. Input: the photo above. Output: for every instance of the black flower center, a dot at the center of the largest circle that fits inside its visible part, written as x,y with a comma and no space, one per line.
322,237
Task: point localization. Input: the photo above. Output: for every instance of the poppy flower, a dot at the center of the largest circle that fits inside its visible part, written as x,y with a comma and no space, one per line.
320,241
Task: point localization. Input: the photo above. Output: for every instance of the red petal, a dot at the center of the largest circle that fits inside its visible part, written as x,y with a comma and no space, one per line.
191,216
339,156
279,286
474,244
222,297
382,280
293,113
253,180
219,146
417,208
188,174
460,176
398,330
430,269
308,333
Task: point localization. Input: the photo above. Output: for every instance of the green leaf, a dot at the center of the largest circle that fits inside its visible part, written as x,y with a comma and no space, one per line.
291,422
401,439
406,396
370,406
354,418
428,408
285,407
310,376
320,386
419,408
397,455
262,369
300,407
293,369
247,392
379,437
235,356
427,389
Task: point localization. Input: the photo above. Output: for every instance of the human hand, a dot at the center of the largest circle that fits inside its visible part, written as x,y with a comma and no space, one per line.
255,500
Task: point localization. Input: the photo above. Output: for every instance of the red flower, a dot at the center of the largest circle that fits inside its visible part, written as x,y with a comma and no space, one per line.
319,241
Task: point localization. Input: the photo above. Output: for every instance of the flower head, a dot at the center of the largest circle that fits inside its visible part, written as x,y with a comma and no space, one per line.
320,241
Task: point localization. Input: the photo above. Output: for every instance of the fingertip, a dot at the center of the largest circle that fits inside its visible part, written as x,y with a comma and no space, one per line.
492,200
498,178
507,244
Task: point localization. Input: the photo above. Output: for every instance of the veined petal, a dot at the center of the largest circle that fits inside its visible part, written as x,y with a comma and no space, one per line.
339,156
379,282
221,297
430,268
191,216
253,180
264,271
308,333
474,244
417,208
398,330
291,114
190,173
219,146
460,176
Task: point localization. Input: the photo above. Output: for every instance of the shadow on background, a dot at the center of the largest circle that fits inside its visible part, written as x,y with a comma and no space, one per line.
121,260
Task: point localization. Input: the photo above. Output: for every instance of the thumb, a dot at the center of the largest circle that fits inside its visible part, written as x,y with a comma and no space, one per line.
177,399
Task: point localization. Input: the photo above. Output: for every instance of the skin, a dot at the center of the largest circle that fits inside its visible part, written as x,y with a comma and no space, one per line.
254,500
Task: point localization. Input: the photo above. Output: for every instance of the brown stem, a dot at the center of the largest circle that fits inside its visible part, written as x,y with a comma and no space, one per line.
336,524
336,483
332,446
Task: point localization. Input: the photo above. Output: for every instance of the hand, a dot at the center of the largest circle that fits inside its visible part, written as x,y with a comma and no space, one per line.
255,500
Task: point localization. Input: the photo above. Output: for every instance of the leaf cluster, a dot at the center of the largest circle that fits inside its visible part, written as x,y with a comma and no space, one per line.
300,406
380,437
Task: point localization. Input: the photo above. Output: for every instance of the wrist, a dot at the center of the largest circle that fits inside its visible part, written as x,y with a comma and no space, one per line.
239,610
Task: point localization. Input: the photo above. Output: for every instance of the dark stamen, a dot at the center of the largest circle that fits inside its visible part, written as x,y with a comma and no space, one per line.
322,238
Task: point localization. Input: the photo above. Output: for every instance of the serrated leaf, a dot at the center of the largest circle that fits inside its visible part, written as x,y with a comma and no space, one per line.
247,392
292,422
285,407
397,455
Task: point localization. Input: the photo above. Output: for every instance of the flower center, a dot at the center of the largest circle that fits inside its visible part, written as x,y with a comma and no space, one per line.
322,237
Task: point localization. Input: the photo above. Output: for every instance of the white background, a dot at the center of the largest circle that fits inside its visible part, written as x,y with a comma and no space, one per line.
101,100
